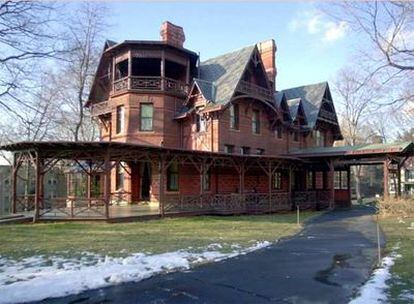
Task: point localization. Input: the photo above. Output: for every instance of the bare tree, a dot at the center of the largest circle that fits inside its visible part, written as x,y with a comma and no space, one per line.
85,40
356,98
26,37
387,29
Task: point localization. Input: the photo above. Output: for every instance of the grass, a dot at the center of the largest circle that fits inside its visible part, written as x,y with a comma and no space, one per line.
399,236
156,236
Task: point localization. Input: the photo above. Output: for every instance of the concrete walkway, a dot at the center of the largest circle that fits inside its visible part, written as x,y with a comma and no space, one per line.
325,263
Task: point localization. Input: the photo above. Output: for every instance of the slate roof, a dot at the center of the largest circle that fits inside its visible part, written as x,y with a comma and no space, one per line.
278,96
225,71
311,96
207,88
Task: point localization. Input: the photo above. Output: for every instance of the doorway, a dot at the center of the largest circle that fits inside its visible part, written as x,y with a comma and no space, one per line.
146,181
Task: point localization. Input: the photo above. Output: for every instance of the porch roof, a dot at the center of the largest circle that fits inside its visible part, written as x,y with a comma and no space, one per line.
360,151
86,150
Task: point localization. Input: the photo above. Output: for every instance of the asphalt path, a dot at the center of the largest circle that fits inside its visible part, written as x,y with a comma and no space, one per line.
325,263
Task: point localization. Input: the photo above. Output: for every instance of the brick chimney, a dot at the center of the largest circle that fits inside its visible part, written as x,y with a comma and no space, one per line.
172,34
267,51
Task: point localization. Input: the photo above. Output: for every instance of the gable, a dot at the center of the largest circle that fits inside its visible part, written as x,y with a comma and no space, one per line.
225,72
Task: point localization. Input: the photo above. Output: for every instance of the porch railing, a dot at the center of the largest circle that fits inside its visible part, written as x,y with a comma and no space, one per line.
227,203
150,83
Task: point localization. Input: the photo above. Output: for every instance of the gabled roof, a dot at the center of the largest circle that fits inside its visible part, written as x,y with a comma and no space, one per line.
207,88
293,107
225,71
278,98
311,96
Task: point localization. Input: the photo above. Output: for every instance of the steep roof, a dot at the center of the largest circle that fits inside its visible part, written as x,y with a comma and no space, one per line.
311,96
225,71
207,88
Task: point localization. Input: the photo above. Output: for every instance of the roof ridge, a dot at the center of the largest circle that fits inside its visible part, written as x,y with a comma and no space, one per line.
228,53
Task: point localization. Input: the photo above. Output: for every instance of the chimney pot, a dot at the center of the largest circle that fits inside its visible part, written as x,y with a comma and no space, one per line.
267,50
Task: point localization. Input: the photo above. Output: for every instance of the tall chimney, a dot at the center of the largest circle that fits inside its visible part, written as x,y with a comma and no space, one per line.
267,51
172,34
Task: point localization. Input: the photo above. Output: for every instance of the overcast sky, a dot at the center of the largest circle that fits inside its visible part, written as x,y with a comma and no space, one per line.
311,48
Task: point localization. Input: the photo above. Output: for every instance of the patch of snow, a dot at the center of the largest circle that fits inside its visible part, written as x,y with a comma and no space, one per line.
37,278
374,291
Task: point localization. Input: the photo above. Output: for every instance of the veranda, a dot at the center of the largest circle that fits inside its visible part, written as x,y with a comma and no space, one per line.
259,184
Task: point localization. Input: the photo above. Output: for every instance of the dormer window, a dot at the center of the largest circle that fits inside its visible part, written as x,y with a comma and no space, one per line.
201,123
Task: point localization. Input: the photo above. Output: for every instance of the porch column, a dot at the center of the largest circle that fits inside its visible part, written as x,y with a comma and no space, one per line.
129,69
107,183
269,177
398,181
161,185
187,75
290,186
162,72
241,178
349,185
332,184
88,186
385,168
202,172
38,182
15,169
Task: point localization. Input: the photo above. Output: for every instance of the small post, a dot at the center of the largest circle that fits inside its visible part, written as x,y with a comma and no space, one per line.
298,214
378,241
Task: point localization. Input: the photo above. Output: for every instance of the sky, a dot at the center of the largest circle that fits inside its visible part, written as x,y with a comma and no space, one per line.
310,47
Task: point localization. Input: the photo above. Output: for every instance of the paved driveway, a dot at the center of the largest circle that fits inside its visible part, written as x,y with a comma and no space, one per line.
325,263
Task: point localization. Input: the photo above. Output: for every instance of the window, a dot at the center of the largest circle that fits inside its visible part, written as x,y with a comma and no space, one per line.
344,180
245,150
147,117
206,180
279,131
296,135
120,119
310,180
119,177
319,138
229,149
234,116
260,151
172,177
200,123
256,122
341,180
277,180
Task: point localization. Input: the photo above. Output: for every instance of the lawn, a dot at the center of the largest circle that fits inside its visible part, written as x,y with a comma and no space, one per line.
156,236
399,234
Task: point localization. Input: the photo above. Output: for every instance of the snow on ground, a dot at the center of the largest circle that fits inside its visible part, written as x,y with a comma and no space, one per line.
374,290
37,278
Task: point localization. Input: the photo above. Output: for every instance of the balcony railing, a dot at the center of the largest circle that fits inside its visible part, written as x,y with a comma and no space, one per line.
255,90
327,115
100,108
150,83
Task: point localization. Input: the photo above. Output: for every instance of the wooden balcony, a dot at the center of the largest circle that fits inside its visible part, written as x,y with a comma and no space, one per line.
100,108
327,116
255,90
150,83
